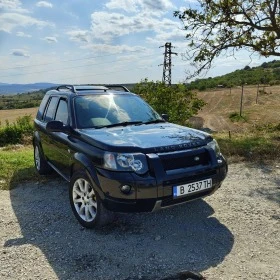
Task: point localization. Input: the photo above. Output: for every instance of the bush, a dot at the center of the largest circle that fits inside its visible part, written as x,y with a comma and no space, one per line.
16,132
235,117
176,100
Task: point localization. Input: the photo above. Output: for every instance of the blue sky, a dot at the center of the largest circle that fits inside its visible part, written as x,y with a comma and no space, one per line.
95,41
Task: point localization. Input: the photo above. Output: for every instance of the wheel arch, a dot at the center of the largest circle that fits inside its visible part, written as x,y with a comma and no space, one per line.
82,162
37,141
36,138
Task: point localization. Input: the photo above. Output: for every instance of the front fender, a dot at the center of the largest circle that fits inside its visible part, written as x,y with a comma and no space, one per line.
81,161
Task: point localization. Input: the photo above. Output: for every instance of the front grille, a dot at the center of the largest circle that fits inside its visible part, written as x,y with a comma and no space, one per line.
201,175
185,159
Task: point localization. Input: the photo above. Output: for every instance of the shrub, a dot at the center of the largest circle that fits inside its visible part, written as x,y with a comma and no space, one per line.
16,132
176,100
235,117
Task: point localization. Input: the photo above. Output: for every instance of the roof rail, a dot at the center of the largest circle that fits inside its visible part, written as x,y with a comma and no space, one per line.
69,87
84,87
117,86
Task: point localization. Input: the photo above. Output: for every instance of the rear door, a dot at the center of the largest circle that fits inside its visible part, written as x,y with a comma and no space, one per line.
59,155
55,144
45,137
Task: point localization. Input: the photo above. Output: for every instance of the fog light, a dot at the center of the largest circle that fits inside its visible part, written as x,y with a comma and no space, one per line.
125,189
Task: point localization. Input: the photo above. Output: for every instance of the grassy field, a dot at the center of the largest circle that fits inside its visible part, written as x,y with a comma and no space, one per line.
16,166
222,102
13,114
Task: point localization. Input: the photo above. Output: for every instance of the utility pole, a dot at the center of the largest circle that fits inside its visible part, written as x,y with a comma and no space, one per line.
241,99
166,76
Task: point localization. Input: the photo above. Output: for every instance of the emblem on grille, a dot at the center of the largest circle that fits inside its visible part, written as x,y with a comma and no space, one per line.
196,158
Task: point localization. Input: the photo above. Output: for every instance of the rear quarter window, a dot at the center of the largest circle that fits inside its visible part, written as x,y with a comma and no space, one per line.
42,107
49,113
62,112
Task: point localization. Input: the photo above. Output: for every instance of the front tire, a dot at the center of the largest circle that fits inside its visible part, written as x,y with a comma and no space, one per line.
86,203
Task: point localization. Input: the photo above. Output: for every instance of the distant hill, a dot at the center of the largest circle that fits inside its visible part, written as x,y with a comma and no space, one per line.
22,88
268,73
7,89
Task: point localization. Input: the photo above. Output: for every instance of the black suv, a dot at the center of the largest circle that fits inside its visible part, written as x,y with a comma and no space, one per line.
119,154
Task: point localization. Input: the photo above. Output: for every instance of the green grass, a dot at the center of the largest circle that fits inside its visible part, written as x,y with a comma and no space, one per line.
250,146
235,117
17,166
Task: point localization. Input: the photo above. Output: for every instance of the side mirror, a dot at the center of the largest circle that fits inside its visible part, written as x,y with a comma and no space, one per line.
56,126
165,117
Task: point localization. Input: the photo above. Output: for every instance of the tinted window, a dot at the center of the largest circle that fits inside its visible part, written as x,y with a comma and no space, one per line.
62,111
51,109
42,107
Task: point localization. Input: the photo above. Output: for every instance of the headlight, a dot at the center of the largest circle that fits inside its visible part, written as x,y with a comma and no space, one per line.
126,162
214,146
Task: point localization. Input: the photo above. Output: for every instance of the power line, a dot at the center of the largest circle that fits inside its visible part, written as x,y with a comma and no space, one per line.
99,74
65,68
59,61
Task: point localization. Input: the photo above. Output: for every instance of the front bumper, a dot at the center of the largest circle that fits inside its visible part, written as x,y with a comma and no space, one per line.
155,190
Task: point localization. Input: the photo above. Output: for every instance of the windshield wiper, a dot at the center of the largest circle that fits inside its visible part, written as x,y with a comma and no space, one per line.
119,124
154,121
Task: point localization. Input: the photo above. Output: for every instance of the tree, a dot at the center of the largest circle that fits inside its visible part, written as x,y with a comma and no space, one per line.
176,100
220,27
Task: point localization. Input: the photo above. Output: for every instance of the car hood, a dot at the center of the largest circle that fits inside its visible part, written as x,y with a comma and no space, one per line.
164,137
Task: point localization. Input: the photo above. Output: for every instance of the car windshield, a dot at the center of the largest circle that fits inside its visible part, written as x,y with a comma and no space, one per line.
106,110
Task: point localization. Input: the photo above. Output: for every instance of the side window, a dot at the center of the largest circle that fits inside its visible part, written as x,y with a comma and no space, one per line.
49,114
62,111
42,107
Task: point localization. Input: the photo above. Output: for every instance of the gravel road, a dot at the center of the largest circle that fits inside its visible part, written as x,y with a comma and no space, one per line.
233,234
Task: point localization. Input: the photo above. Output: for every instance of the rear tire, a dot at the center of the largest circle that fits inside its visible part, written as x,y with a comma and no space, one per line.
40,163
86,203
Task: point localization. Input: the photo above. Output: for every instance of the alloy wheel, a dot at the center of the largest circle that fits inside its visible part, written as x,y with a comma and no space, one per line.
84,200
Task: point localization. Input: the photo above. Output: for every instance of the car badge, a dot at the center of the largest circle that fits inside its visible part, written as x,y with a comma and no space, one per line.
196,158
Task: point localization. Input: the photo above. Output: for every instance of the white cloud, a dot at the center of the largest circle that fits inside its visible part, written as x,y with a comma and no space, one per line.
127,5
106,26
114,49
44,4
12,6
9,4
137,5
9,21
159,5
191,1
20,52
175,35
50,39
79,35
22,34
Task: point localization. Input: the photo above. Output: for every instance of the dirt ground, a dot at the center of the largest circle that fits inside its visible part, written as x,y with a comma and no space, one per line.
222,102
233,234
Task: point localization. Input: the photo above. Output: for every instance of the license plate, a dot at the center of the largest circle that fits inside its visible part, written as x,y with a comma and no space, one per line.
192,187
